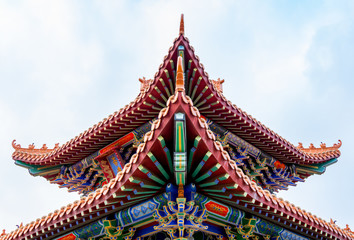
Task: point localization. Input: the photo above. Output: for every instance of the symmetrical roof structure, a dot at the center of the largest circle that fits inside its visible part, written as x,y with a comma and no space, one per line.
181,130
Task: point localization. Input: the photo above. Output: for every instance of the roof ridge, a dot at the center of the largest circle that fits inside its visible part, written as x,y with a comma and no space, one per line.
322,149
257,189
31,148
71,207
87,201
28,156
287,146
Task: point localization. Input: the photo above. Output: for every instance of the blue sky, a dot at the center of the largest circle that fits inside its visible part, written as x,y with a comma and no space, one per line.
65,65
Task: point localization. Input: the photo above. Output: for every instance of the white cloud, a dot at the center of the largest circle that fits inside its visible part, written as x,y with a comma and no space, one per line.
45,65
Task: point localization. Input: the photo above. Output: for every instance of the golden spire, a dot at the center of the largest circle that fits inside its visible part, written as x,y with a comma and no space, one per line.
181,26
180,75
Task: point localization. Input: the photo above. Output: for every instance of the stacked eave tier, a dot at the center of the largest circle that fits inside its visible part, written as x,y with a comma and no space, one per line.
242,192
207,96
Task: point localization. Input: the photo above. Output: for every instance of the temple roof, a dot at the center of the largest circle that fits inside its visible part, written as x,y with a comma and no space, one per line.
152,98
158,100
247,195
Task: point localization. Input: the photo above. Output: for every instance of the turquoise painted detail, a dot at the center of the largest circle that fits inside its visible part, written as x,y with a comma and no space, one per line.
92,230
158,165
140,212
180,154
316,168
167,152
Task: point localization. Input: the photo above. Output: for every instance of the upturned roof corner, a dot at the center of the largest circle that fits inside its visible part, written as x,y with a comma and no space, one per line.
179,132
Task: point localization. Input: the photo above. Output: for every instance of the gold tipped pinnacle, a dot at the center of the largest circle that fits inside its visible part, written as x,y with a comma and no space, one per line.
180,75
181,25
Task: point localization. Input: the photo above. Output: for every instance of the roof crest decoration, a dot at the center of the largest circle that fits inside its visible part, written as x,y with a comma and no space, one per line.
218,84
322,149
31,148
347,228
145,84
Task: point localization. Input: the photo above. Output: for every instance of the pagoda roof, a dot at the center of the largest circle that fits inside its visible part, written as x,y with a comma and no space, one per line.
158,100
110,198
152,98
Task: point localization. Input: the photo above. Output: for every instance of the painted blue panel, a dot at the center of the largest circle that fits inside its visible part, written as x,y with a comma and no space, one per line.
115,163
141,211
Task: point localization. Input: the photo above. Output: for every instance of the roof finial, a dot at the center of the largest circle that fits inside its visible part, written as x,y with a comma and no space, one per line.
181,26
180,75
218,84
145,83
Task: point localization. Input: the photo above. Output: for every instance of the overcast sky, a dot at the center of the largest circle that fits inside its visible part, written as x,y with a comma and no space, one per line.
65,65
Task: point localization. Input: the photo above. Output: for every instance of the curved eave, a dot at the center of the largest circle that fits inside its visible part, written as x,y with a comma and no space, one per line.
248,128
102,202
109,129
36,170
223,112
257,200
311,169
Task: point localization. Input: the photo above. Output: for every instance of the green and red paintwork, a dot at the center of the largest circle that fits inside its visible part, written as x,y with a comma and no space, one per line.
180,163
